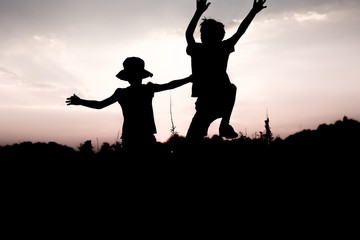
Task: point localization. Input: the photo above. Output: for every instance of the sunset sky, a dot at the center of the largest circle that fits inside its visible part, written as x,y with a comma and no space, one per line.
298,62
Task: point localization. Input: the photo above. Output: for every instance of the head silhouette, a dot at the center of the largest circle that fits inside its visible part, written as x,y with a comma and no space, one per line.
211,31
134,69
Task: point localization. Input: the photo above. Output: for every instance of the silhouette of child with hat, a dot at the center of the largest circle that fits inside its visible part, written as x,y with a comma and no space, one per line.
211,84
136,102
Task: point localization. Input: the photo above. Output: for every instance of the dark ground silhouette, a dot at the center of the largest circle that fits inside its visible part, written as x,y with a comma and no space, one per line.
312,175
329,142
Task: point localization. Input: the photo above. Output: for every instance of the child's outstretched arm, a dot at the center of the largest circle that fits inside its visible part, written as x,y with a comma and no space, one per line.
201,6
257,7
75,100
172,84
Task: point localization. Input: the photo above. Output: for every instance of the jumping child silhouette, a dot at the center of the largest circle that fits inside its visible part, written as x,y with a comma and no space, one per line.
136,102
211,84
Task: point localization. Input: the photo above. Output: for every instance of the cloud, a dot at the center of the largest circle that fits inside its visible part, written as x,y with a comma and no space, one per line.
51,42
6,73
309,16
41,86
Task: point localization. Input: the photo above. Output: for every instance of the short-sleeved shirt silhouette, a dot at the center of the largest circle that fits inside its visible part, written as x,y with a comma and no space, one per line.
136,104
209,64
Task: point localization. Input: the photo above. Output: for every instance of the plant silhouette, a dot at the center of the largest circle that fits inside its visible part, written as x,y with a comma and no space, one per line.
136,102
212,87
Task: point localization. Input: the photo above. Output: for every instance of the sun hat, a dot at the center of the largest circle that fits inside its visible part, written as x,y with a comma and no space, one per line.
133,66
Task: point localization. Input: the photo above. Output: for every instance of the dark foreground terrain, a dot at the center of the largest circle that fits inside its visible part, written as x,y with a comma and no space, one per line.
328,148
304,184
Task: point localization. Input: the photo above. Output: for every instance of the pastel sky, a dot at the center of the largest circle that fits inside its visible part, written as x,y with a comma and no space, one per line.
298,62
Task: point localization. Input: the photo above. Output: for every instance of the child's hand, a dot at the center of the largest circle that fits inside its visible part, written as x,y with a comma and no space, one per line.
73,100
259,5
202,5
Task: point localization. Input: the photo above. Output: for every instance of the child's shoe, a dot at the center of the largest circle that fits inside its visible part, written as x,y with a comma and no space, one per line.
227,131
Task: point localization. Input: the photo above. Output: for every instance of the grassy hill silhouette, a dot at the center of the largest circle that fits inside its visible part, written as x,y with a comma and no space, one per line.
338,140
308,165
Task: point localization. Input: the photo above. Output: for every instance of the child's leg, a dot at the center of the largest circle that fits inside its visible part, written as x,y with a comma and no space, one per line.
198,127
229,104
201,121
226,130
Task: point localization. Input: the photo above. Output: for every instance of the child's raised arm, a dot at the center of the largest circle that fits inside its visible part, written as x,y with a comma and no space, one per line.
257,7
201,6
